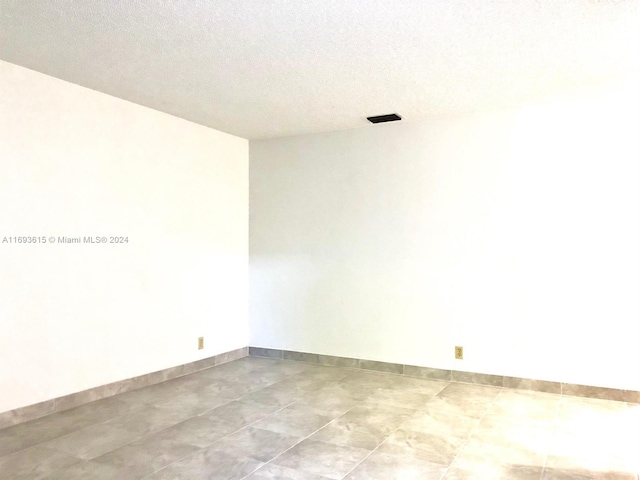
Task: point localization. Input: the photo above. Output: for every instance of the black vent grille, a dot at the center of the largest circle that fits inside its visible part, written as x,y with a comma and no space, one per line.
391,117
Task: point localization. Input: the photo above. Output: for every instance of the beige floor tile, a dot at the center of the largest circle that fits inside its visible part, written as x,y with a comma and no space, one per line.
529,434
88,470
380,466
293,421
241,412
493,471
252,418
400,398
276,472
93,441
147,455
208,464
34,463
149,419
263,445
521,403
435,447
198,431
327,403
445,424
320,458
512,453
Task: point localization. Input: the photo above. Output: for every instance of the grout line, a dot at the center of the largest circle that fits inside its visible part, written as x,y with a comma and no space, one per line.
103,422
446,469
252,423
553,435
240,429
472,431
143,405
360,402
295,444
188,455
225,436
374,450
390,434
307,437
369,454
327,424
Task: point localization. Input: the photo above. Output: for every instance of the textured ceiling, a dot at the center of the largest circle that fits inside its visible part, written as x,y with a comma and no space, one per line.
266,68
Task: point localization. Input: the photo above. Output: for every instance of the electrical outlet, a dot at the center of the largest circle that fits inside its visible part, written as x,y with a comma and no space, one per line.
200,343
459,353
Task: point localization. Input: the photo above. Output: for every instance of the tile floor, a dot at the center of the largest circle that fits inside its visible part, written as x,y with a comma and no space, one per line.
259,419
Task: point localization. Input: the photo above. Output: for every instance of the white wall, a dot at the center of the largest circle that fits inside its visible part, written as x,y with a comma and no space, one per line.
77,162
514,234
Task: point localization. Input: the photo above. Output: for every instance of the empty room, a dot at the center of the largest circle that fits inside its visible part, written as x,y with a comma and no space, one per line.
320,240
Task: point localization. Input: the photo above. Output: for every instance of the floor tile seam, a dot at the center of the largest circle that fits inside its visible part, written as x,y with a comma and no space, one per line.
200,449
244,427
380,444
366,456
377,447
140,406
50,448
361,402
106,422
45,442
84,428
237,399
479,420
28,448
240,397
292,446
144,437
553,435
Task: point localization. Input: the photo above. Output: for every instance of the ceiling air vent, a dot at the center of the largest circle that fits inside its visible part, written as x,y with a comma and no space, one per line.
391,117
